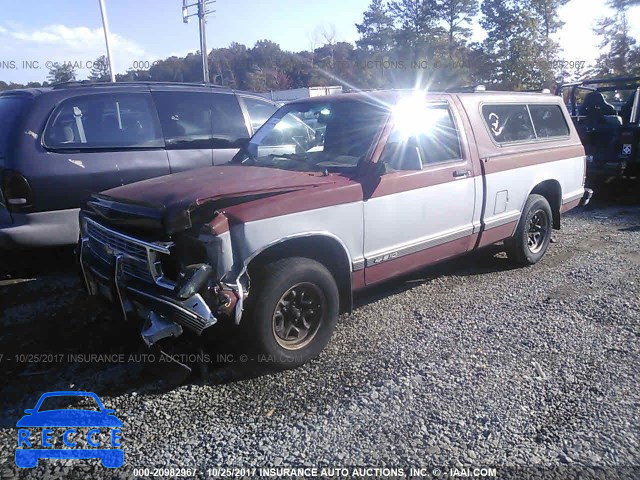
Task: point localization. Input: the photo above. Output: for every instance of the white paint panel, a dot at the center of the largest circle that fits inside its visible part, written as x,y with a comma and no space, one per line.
342,222
397,220
520,181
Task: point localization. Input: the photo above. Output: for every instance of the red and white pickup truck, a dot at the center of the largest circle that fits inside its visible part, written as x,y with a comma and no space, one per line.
332,195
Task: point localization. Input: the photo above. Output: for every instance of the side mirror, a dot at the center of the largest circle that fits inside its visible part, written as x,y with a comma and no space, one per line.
109,411
380,168
29,411
242,154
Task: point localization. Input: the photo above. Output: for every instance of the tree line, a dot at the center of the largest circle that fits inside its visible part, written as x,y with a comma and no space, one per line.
407,43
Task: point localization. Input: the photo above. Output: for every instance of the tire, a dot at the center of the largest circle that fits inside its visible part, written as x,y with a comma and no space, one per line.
531,240
292,312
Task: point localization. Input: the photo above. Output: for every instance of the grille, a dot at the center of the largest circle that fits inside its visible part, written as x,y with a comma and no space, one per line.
137,269
135,263
115,241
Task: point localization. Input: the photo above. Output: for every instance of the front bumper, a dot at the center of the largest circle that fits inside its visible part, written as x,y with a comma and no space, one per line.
110,277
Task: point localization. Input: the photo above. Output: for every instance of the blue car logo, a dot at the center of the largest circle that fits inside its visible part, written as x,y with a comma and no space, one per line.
32,447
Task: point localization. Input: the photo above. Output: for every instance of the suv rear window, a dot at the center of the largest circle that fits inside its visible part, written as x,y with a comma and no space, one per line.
259,111
123,120
11,109
510,123
200,120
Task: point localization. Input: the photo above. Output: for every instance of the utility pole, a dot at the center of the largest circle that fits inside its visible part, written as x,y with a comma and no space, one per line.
201,13
105,28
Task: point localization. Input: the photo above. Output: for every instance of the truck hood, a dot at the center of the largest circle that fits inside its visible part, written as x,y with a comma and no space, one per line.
175,199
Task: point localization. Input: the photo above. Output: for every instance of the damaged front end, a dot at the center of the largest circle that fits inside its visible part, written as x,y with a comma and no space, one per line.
174,282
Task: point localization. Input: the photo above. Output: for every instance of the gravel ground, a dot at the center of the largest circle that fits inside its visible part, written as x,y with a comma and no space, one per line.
472,363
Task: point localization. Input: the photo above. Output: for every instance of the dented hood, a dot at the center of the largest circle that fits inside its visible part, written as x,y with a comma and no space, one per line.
176,197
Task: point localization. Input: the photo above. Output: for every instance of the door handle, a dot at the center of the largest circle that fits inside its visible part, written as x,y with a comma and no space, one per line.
461,173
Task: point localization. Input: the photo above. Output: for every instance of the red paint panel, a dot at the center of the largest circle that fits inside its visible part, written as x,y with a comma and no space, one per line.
219,224
415,261
497,234
535,156
357,280
568,206
342,191
404,181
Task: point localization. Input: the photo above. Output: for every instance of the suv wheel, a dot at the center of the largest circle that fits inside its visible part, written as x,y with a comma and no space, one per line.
293,311
533,233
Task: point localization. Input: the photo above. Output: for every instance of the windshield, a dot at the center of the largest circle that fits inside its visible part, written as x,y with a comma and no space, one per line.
11,109
331,136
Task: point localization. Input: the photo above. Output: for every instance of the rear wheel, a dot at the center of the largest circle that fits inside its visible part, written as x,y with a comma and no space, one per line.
533,233
293,310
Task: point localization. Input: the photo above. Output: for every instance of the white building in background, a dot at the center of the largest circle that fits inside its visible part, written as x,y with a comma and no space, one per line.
297,93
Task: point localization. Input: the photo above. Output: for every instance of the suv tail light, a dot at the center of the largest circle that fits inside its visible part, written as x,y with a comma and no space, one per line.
16,190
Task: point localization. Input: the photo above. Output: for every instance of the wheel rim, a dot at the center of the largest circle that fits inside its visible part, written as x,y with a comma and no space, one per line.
538,230
298,315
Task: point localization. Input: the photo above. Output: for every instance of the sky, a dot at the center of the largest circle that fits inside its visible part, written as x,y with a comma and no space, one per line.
147,30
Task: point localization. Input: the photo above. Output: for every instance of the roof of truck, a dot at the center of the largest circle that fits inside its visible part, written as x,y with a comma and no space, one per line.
391,96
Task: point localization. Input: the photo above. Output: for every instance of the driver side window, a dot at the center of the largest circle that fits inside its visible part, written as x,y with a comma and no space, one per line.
426,136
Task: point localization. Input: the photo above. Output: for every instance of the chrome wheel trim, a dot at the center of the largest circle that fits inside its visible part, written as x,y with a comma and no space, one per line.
537,231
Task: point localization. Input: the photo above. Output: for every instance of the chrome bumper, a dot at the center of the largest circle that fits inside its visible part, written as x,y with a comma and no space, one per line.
586,198
135,295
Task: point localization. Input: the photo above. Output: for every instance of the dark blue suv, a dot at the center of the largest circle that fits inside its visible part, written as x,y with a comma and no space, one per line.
58,145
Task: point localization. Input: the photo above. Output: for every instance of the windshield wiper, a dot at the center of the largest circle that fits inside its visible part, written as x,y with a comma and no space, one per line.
295,157
290,156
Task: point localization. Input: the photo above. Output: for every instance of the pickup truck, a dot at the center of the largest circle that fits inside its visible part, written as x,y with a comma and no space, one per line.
332,195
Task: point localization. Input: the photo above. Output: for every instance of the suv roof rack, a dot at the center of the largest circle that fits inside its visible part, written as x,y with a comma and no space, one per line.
89,83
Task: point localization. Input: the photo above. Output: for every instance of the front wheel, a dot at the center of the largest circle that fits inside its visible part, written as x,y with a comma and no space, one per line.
292,312
533,233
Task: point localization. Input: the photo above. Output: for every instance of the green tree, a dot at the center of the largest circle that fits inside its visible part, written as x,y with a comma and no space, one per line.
549,23
457,16
620,54
419,31
520,43
100,70
377,28
61,72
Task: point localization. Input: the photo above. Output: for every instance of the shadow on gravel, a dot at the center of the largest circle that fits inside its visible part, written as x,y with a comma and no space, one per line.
54,337
25,263
614,192
50,329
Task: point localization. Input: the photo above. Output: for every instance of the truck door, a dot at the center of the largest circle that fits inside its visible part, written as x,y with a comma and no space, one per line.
422,208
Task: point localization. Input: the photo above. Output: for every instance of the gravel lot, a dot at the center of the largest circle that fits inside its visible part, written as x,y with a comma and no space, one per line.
468,364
